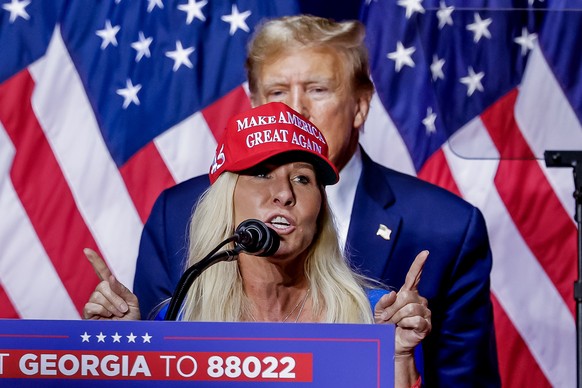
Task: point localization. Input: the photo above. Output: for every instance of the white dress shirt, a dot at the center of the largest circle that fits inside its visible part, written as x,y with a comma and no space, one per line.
341,195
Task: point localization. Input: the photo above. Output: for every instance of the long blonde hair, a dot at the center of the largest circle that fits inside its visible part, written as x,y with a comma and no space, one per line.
217,295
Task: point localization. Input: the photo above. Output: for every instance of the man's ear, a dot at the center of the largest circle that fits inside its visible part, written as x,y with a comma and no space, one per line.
362,109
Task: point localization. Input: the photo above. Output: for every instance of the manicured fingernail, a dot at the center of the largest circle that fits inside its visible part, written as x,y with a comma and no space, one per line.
123,307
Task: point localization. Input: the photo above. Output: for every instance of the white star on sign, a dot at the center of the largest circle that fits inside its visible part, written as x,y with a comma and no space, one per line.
142,46
444,15
85,337
108,35
180,56
101,337
237,20
526,41
16,9
153,4
411,6
473,81
146,338
436,68
131,338
402,56
429,121
116,337
480,28
194,10
129,93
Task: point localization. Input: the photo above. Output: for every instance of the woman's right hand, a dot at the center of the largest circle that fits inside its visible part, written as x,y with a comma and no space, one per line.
111,299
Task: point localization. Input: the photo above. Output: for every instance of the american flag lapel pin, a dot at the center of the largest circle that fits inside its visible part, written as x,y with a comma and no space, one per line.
384,232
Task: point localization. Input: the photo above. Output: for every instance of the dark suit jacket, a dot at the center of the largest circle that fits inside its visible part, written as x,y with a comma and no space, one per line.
460,351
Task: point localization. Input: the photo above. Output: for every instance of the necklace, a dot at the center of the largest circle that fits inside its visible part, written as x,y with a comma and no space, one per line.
299,302
297,305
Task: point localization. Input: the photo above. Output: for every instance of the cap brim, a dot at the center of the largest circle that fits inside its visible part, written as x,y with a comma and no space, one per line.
326,173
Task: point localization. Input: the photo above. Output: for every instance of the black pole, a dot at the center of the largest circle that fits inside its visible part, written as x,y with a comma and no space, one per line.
578,291
251,236
192,273
574,159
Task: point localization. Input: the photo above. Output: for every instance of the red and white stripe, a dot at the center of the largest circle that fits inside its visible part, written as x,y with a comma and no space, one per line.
60,191
496,163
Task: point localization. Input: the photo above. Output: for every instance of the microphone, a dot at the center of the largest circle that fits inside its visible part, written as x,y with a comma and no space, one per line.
254,237
251,236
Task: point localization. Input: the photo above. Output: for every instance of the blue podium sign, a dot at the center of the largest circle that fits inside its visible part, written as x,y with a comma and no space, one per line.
212,354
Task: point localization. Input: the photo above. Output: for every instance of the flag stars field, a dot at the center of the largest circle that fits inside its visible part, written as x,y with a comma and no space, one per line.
473,81
129,93
17,9
237,20
152,4
402,56
108,34
480,28
193,10
444,14
142,46
436,68
411,6
526,41
429,121
181,56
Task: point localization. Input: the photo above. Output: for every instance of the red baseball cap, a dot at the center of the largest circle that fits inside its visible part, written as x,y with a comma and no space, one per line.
269,130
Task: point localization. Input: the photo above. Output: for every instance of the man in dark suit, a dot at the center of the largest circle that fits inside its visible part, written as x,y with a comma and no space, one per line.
384,218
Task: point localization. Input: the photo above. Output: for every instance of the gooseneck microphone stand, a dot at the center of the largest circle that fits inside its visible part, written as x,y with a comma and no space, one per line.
574,159
194,271
251,236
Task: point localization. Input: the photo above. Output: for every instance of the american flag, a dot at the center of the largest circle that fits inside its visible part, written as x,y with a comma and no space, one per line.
105,103
469,98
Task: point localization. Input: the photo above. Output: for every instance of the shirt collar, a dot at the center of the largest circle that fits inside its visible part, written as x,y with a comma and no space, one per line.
341,195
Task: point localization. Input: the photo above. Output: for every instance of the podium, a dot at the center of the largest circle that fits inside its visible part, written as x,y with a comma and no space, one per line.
46,353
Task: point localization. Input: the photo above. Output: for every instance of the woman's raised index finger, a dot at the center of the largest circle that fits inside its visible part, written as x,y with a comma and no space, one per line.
98,264
413,275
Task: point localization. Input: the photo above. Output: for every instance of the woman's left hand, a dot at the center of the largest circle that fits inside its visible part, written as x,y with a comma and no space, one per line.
407,310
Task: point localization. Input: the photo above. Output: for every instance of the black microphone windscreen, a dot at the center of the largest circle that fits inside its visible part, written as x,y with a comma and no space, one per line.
256,238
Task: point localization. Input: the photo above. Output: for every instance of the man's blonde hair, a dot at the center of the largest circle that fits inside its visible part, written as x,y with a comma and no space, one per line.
287,33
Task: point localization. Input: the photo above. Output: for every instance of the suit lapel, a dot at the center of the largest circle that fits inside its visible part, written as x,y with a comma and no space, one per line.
374,228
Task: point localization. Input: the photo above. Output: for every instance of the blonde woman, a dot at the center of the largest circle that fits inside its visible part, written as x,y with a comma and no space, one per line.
272,165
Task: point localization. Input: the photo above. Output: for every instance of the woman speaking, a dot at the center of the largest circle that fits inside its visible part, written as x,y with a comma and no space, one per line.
272,165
